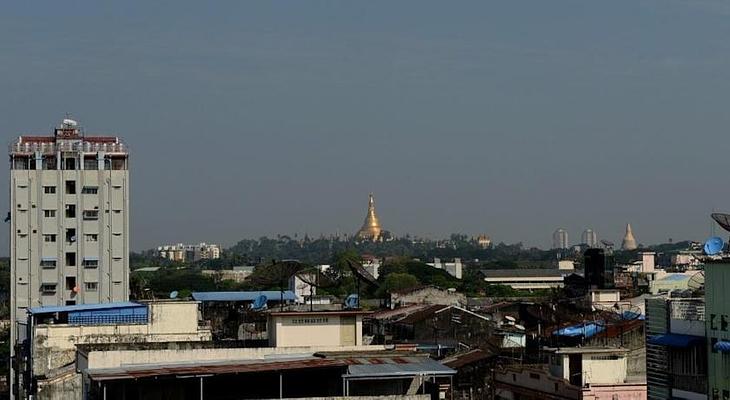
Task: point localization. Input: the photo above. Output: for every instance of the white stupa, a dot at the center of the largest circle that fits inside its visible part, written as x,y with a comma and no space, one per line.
629,242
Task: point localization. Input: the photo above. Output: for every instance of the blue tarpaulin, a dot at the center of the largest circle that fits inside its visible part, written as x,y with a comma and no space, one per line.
585,330
722,346
676,340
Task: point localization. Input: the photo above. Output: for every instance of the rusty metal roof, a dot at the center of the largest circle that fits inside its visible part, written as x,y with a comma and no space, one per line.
467,358
229,367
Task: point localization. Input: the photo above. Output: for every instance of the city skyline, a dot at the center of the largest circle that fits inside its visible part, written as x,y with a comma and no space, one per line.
490,118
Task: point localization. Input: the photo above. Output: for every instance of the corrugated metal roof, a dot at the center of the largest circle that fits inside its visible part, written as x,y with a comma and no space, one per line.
83,307
396,366
467,358
228,367
271,295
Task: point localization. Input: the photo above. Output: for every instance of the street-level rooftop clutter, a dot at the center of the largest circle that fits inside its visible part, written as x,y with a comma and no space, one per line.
119,349
56,332
118,370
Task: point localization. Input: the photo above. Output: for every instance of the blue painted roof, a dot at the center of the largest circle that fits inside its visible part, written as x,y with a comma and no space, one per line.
586,330
83,307
271,295
676,340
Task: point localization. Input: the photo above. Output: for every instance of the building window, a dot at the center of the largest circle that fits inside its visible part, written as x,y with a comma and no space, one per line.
49,238
92,286
48,264
70,282
49,189
70,163
91,215
90,190
92,237
49,213
91,263
91,163
20,163
71,259
48,288
70,210
534,376
49,163
71,235
70,187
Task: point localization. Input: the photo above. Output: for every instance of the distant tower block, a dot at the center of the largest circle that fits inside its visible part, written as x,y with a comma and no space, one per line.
371,227
629,242
589,238
560,239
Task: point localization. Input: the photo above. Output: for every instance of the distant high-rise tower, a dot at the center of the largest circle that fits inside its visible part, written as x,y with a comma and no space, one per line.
560,239
69,222
371,227
589,238
629,242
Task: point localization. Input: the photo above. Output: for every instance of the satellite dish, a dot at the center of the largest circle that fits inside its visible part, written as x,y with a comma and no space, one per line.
173,294
352,301
713,245
722,219
260,302
697,281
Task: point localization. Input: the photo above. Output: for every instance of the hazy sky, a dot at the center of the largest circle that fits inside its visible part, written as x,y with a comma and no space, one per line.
510,118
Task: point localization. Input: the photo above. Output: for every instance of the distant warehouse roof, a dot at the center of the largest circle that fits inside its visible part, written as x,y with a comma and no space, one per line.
524,273
271,295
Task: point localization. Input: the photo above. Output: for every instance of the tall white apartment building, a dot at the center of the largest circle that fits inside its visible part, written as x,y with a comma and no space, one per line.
560,239
69,221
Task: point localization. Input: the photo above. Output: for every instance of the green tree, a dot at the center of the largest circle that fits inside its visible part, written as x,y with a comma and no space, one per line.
396,281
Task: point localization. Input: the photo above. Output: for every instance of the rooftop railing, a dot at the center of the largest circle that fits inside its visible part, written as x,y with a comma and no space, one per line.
63,146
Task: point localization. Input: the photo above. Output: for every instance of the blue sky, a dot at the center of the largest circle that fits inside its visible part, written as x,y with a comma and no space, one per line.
506,118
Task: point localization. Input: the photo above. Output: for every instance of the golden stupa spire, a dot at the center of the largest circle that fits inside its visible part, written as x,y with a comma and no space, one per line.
371,227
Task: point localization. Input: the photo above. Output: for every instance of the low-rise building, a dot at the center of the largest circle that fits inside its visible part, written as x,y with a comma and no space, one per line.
573,373
676,348
309,354
57,331
189,252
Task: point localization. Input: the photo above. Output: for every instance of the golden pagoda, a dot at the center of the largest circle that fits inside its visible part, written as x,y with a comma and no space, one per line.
371,227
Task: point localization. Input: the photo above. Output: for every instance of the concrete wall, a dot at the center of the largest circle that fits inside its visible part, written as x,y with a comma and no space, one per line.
597,370
315,330
615,392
